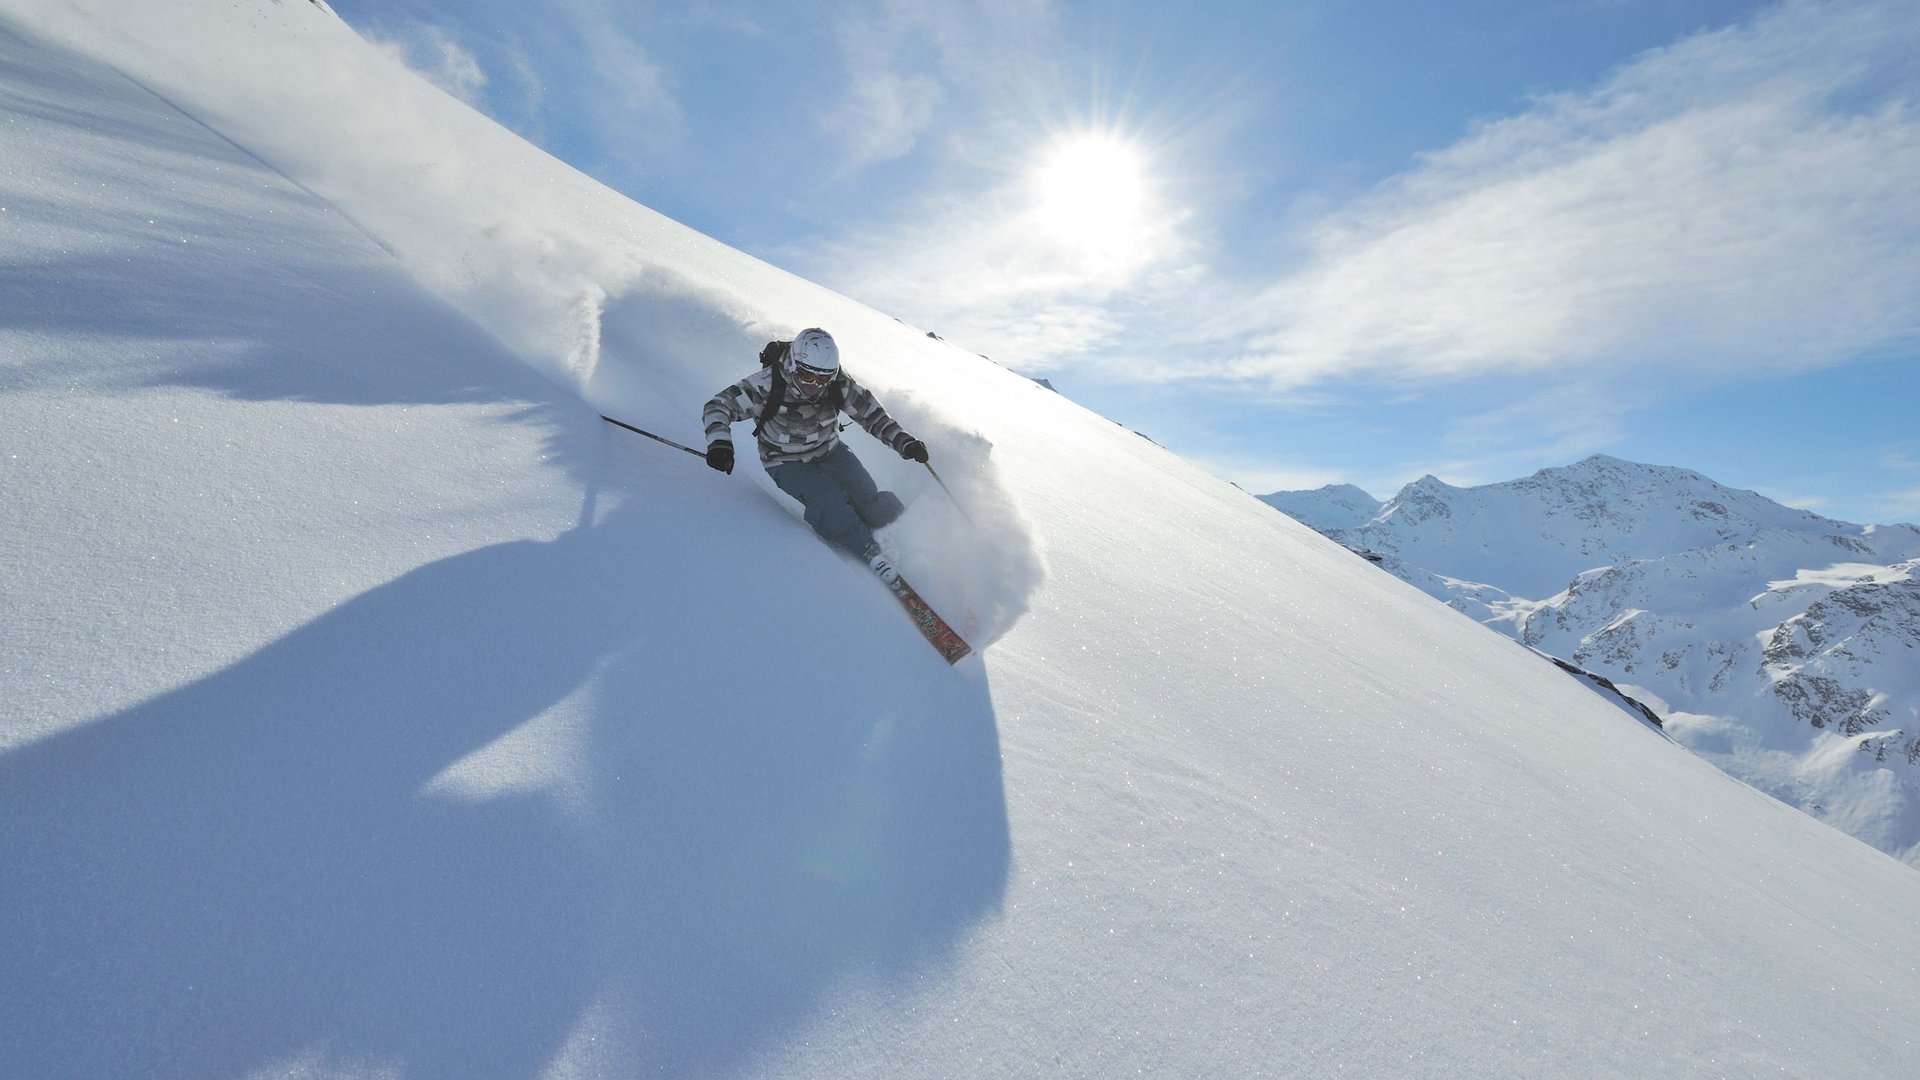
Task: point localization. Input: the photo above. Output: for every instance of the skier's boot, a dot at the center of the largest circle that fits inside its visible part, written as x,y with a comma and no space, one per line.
878,562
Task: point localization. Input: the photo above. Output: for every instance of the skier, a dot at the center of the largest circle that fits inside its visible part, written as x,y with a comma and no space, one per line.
795,401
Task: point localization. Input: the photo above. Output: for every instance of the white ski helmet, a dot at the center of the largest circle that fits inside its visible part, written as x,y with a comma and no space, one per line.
813,349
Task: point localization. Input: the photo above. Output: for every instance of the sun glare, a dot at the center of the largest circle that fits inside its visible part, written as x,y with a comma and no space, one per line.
1092,189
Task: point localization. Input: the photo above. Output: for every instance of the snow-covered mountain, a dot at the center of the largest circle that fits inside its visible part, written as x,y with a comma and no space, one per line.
1780,644
373,709
1336,506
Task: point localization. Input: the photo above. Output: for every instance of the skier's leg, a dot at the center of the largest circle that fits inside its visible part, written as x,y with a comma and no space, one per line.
877,508
829,509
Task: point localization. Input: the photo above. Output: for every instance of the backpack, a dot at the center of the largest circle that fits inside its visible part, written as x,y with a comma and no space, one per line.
773,355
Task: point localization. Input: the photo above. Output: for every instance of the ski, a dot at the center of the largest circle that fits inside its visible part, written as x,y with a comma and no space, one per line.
941,636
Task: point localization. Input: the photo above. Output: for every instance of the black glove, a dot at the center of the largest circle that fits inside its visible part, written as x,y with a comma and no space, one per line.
915,450
720,456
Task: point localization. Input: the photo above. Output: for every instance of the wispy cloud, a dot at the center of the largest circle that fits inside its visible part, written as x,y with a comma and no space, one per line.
709,17
433,52
527,114
978,255
1902,457
1748,198
882,116
984,270
1743,200
1554,424
1902,505
576,70
630,96
901,61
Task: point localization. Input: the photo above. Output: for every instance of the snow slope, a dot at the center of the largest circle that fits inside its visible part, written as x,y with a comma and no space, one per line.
376,710
1778,643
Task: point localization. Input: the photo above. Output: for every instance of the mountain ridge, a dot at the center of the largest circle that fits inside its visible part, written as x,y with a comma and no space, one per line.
1762,631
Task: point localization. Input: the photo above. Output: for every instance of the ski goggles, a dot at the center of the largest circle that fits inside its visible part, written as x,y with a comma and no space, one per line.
811,379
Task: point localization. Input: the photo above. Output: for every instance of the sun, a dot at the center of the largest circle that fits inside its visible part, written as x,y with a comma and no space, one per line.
1092,189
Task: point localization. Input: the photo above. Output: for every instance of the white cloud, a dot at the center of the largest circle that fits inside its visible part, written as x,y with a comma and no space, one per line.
985,256
574,65
527,116
903,61
1744,199
882,116
432,52
708,17
1901,505
1560,423
984,270
1900,457
630,98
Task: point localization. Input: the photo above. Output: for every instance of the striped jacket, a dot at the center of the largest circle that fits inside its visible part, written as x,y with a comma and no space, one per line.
800,430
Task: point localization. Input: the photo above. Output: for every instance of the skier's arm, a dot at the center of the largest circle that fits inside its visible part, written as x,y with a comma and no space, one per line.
866,411
726,408
738,402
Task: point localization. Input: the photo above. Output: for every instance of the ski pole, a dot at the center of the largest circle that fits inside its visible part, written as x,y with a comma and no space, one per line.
950,498
651,435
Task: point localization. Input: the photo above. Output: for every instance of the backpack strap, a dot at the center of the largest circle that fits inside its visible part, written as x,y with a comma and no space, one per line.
773,356
776,397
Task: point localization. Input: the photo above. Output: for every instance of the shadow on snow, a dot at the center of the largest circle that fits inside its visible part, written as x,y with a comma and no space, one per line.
269,864
255,867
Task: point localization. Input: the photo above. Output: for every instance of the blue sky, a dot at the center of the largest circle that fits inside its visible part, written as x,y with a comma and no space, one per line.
1302,243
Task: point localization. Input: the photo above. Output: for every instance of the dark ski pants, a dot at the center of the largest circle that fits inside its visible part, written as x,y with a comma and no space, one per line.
843,503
